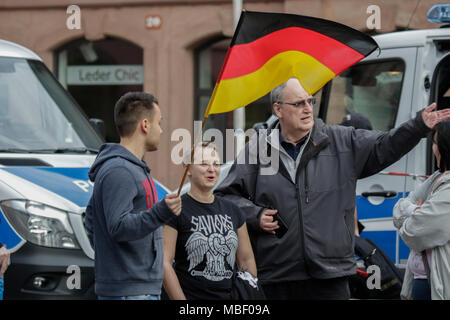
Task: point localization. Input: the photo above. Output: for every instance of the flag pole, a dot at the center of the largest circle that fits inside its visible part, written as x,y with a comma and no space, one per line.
238,114
205,117
210,103
192,156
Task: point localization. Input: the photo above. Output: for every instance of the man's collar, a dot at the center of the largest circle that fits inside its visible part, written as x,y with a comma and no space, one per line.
317,134
300,142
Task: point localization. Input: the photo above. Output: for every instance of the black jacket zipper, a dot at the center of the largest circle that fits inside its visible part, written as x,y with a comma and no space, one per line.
300,219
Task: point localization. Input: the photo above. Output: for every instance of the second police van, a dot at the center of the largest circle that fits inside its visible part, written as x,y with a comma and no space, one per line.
408,73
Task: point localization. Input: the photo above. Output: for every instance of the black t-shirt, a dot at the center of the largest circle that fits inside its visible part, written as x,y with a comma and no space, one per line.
206,247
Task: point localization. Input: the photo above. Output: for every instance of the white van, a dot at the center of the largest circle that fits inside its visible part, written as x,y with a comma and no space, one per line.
409,72
47,145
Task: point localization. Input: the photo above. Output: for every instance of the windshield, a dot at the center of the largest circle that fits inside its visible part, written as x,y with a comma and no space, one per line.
37,114
371,90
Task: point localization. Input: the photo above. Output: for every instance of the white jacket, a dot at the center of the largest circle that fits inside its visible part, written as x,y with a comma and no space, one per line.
428,227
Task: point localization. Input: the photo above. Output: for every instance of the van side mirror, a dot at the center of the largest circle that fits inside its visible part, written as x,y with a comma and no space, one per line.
99,126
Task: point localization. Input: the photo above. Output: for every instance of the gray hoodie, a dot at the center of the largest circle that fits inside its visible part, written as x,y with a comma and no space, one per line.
124,223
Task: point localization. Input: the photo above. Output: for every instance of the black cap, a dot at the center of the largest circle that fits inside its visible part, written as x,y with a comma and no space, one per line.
356,120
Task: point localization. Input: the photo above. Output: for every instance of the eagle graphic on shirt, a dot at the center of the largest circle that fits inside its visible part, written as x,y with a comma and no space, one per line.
214,238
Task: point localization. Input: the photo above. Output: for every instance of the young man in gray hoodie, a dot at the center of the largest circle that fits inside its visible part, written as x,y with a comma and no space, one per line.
124,218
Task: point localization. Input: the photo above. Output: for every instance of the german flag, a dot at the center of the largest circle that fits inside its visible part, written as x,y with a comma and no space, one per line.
268,49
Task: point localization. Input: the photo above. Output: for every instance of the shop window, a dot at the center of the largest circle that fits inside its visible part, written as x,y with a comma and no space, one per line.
98,73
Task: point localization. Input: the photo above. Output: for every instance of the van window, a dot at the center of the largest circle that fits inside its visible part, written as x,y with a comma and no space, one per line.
36,112
372,89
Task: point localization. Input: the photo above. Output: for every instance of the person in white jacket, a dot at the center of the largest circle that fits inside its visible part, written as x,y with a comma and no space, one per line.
423,220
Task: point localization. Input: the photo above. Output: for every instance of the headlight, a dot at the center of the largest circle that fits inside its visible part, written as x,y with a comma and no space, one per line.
40,224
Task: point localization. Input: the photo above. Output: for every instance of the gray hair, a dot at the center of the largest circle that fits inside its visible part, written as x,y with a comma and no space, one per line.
275,94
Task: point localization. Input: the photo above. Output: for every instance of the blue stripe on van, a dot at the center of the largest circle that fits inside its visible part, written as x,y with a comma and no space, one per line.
61,181
366,210
7,234
159,190
386,240
70,183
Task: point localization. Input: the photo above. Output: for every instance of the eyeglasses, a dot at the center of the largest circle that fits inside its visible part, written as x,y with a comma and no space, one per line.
301,103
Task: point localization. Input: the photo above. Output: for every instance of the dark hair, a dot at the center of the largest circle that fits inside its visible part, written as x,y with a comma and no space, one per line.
129,110
443,143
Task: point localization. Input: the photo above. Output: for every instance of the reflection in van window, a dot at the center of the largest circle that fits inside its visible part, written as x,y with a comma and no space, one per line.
31,109
370,89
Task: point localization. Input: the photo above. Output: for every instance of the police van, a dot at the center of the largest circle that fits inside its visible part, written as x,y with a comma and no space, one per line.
47,145
410,71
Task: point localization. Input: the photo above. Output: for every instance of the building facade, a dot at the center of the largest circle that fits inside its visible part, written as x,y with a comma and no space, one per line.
171,48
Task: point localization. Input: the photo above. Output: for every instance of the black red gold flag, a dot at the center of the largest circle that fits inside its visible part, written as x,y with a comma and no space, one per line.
269,48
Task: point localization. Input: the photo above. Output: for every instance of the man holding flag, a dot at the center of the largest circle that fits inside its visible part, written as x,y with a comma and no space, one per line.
301,218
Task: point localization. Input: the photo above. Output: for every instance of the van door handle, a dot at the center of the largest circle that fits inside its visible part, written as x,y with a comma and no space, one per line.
385,194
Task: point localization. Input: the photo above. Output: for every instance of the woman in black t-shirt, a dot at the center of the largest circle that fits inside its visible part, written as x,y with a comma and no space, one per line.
207,239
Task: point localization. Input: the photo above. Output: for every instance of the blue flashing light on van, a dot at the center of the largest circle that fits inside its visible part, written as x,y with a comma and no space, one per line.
439,13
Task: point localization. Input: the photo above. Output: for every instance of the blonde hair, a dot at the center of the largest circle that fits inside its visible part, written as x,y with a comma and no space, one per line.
188,158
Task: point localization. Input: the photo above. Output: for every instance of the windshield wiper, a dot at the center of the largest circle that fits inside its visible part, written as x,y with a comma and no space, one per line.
66,150
14,150
57,150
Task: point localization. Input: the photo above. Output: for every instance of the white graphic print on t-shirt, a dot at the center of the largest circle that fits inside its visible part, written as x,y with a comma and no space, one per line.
213,236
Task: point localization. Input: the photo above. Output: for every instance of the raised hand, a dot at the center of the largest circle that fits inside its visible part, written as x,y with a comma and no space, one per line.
432,118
